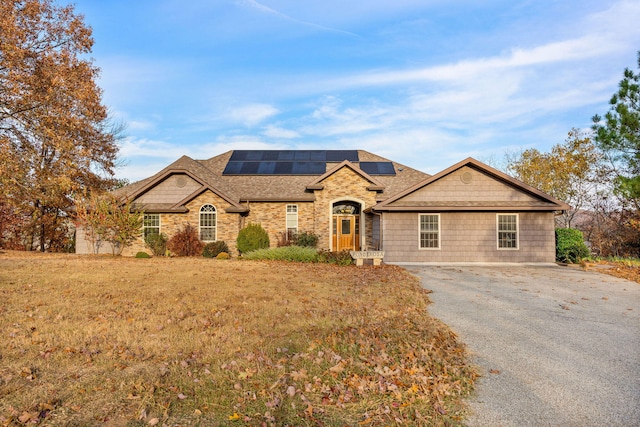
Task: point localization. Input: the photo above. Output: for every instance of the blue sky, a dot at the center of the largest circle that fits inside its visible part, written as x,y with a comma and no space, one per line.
426,83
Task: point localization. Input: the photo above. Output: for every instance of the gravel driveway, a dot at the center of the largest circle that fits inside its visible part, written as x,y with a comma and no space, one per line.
557,346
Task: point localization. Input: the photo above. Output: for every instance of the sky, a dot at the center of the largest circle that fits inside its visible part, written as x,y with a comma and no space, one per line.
426,83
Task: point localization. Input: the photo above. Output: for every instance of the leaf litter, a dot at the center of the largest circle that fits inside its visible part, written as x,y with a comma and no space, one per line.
315,344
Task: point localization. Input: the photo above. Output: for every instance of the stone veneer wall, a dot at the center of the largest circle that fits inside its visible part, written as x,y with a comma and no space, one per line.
315,217
272,216
345,184
227,224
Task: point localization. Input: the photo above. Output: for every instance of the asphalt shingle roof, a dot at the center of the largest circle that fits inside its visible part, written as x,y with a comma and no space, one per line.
271,187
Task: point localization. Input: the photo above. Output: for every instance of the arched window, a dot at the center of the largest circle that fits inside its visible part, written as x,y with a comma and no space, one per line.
208,223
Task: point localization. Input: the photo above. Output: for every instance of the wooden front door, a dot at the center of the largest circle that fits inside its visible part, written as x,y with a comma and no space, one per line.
346,232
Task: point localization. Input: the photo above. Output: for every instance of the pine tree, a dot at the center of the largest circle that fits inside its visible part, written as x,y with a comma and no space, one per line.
618,135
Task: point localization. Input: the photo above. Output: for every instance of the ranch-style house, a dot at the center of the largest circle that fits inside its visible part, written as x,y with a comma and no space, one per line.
353,200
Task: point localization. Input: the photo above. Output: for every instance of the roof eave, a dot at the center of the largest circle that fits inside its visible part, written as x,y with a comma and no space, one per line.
445,208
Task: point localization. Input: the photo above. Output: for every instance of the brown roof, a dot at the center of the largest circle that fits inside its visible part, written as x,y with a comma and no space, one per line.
241,188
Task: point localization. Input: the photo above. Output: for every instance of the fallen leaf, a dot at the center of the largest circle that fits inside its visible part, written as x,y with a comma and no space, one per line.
494,371
26,417
337,368
153,421
309,410
291,391
234,417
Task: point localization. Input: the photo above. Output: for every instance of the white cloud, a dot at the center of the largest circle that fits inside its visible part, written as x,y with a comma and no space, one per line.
142,147
251,114
140,125
278,132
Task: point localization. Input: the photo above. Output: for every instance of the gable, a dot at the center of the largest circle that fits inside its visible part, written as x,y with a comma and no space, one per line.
172,189
467,185
349,172
472,186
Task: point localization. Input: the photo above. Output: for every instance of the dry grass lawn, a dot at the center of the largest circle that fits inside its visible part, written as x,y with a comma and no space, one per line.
124,341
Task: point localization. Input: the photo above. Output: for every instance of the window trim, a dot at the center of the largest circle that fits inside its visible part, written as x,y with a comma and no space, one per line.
145,227
286,218
439,247
214,226
517,231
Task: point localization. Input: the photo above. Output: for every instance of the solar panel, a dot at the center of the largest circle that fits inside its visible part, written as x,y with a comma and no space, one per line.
285,162
309,168
232,168
378,168
266,168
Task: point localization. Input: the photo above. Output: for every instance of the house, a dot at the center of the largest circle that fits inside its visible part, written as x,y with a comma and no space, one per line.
353,200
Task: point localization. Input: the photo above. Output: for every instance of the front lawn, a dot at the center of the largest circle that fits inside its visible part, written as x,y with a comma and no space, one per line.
194,341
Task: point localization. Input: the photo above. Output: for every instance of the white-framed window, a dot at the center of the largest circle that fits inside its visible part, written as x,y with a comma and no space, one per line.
429,229
507,226
208,220
150,224
292,219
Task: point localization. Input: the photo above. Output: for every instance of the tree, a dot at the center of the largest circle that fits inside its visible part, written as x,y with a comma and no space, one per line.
570,172
107,219
55,136
618,135
11,222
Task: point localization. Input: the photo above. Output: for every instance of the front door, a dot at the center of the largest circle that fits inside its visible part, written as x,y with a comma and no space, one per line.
346,232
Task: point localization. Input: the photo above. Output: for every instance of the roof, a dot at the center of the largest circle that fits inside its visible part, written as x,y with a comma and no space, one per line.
236,187
536,200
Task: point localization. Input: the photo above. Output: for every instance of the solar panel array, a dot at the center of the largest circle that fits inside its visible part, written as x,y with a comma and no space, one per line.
378,168
294,155
296,162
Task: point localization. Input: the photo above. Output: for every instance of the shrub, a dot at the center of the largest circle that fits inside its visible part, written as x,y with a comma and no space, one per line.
338,258
213,249
223,255
142,255
290,238
570,246
185,242
307,239
285,238
251,238
284,253
157,243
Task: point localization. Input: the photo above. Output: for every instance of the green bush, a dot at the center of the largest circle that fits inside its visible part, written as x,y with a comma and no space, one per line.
338,258
211,250
251,238
186,242
570,246
284,253
157,243
223,255
142,255
307,239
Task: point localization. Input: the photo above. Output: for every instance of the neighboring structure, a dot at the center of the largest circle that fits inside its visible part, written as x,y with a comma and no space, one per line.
353,200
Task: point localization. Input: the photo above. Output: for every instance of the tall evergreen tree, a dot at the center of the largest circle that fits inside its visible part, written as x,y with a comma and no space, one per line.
55,136
618,135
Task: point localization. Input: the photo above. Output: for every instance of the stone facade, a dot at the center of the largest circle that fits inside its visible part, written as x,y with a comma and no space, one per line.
344,184
272,216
